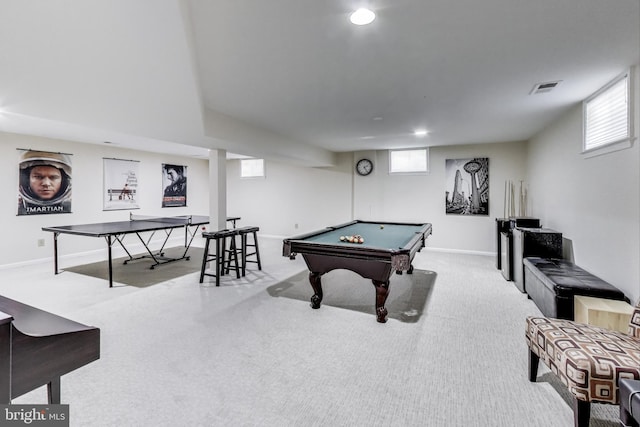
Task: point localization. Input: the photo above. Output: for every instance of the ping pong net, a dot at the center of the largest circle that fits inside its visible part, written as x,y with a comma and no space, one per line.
184,219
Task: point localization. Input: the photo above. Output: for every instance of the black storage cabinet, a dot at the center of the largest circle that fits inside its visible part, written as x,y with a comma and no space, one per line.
505,247
502,226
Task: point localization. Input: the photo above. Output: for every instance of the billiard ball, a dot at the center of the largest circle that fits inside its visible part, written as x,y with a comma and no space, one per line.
381,227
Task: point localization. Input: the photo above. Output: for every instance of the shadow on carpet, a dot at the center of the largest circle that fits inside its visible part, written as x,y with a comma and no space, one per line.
139,273
407,299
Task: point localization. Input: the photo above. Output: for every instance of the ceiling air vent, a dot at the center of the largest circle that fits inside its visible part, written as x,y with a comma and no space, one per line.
544,87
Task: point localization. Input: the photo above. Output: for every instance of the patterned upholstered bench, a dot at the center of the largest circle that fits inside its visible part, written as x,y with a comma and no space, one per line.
589,360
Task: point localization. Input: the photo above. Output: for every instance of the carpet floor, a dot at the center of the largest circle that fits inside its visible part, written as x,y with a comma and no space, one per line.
139,272
252,352
344,289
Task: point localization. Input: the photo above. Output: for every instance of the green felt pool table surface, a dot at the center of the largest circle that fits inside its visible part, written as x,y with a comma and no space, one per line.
375,234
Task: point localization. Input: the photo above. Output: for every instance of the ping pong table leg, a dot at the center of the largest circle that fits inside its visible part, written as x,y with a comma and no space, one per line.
55,252
109,244
187,242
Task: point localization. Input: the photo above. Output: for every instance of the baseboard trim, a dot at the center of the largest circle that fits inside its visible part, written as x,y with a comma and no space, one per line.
447,250
101,254
93,255
461,251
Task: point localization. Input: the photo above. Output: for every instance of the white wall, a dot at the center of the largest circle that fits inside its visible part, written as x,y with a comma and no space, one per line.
594,202
318,197
312,198
21,233
421,198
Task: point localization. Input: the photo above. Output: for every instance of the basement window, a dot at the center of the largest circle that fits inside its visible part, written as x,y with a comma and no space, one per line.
607,117
409,161
252,168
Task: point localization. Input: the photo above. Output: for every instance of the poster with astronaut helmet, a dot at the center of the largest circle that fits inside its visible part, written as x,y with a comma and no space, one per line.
44,183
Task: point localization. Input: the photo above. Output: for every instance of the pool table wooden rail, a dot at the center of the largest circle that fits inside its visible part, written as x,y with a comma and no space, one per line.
400,257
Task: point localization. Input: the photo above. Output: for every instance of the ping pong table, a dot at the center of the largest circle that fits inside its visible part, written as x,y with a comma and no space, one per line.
116,231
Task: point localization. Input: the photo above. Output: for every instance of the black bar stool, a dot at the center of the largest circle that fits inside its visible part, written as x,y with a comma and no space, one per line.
230,254
244,232
220,238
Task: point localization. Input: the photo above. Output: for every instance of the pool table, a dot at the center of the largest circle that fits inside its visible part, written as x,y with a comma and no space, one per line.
387,247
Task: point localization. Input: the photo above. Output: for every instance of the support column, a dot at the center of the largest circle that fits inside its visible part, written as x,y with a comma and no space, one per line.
218,189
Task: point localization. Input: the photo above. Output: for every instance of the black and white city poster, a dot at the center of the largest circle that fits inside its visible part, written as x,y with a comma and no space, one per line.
467,181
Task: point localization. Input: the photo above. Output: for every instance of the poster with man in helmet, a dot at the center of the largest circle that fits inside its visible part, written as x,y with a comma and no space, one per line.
44,183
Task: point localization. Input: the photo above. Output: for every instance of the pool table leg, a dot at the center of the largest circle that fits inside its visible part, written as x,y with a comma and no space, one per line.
316,284
409,271
382,291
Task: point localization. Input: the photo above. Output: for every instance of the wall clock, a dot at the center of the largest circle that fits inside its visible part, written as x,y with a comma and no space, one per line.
364,167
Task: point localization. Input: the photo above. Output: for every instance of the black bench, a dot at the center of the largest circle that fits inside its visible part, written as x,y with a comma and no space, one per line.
39,347
552,283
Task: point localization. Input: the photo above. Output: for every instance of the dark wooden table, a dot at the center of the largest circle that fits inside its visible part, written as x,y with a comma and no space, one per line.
41,347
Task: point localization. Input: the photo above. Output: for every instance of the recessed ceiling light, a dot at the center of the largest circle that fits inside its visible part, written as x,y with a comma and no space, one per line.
420,132
362,16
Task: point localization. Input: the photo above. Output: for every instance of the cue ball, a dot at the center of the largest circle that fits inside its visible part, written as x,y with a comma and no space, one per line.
381,227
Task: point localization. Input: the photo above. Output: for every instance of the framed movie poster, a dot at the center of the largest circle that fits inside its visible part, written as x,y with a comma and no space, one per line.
174,185
44,183
120,184
467,191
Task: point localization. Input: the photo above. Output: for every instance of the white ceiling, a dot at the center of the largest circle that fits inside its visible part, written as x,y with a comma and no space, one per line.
293,79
